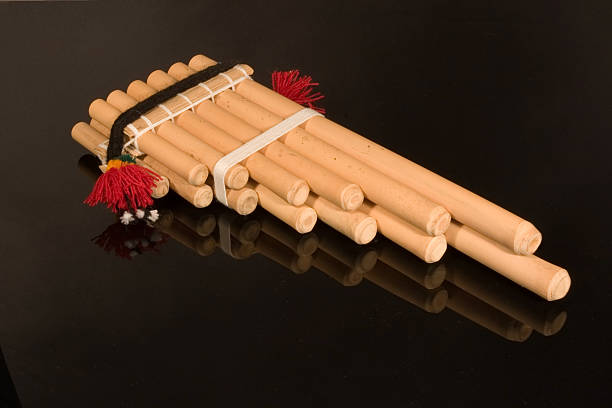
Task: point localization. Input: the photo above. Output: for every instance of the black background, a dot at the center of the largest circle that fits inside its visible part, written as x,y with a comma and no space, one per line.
511,99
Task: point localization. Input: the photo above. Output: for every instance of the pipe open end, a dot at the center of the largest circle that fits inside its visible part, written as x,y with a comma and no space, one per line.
351,197
435,249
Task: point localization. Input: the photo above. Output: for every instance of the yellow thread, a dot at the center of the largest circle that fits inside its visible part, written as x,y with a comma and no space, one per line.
116,163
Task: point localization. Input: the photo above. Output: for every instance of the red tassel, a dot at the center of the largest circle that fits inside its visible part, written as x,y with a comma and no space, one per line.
124,187
298,89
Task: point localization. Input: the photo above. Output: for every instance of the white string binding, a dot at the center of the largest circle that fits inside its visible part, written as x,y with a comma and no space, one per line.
191,106
102,156
229,79
254,145
210,92
188,101
168,111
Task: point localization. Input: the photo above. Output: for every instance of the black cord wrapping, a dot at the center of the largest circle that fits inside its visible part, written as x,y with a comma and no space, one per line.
115,143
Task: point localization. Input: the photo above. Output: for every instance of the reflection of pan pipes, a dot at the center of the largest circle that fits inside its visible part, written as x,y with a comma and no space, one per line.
335,269
360,259
301,244
485,315
429,276
543,317
490,301
282,254
211,121
430,300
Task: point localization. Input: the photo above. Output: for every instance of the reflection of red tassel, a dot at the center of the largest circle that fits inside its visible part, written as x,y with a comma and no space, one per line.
124,186
298,89
127,241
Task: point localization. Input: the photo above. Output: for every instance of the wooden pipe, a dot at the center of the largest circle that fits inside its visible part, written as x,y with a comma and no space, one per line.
356,225
236,176
198,196
243,201
301,218
91,139
153,145
429,248
537,275
468,208
429,300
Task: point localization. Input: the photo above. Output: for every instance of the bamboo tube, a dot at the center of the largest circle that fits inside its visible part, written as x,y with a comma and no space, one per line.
486,316
359,258
546,318
377,187
354,224
100,128
428,248
91,139
430,276
537,275
180,71
199,196
468,208
236,176
279,253
151,144
432,301
262,169
302,244
322,181
140,90
302,218
243,200
335,269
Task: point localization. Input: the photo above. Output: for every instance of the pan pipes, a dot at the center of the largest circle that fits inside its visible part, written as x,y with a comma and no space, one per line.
455,285
209,130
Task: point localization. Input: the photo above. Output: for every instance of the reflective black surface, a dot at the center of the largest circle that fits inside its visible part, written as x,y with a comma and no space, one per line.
509,99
